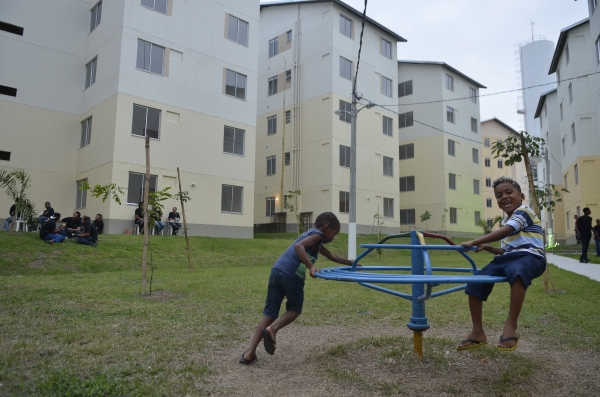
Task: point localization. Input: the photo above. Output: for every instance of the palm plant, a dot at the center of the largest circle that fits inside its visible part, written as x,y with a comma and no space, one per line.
16,184
487,227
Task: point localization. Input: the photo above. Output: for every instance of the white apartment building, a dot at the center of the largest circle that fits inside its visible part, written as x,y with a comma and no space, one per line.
575,61
84,81
307,61
440,147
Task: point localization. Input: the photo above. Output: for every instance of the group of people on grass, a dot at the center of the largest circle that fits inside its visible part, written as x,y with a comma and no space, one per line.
520,258
584,232
81,229
156,214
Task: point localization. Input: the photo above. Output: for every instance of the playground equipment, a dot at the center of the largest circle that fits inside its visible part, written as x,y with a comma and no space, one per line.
421,278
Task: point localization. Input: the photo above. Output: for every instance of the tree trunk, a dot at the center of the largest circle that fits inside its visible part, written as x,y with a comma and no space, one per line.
145,206
187,242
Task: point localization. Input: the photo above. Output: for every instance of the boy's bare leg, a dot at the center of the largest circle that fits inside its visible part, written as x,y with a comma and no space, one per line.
287,318
517,296
257,337
477,332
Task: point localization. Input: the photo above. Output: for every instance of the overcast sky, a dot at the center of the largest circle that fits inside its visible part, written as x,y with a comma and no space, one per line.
477,37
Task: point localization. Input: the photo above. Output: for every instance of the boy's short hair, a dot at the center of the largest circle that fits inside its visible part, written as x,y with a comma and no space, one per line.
325,218
100,215
586,209
78,213
505,179
86,219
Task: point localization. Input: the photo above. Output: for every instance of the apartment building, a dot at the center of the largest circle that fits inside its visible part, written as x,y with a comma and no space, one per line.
307,61
494,130
575,61
85,81
440,147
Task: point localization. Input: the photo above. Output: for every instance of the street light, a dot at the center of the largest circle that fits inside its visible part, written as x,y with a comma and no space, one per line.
352,215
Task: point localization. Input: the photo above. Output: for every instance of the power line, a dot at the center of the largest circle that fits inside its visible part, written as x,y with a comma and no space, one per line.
362,30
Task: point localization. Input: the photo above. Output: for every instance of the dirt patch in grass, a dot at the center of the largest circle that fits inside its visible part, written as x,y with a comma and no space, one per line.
336,361
164,296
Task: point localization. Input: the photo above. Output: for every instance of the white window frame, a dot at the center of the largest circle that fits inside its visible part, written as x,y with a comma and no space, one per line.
472,94
288,76
288,116
405,120
451,181
407,183
153,7
273,47
573,134
90,72
570,93
477,215
240,194
272,125
150,63
344,202
405,88
474,125
388,166
270,206
488,162
488,182
147,110
564,150
236,87
475,154
488,203
80,195
486,142
567,54
346,108
86,132
288,36
271,165
235,132
453,215
386,48
387,125
576,173
388,207
96,12
345,26
152,186
408,216
476,187
345,68
387,87
449,82
286,158
451,148
345,154
272,86
405,151
450,115
500,164
239,24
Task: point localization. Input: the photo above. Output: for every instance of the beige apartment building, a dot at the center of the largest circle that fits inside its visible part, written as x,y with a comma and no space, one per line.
494,130
85,82
307,60
440,148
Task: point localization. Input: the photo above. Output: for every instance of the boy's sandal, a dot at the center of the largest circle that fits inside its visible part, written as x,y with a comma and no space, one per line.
269,343
473,344
507,339
247,362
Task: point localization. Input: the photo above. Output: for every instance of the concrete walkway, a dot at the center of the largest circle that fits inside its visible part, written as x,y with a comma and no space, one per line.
590,270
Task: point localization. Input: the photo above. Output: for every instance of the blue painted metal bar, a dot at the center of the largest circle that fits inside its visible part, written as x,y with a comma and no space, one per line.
359,257
418,247
418,320
388,291
407,278
393,268
449,290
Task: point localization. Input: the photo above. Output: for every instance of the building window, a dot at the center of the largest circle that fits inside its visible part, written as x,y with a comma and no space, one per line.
598,50
388,166
235,84
488,202
567,55
407,217
386,86
345,26
150,57
407,183
561,111
488,162
475,153
405,120
288,36
453,216
452,181
451,148
233,141
270,206
545,110
488,182
273,47
407,151
486,142
474,125
96,16
570,93
156,5
490,222
594,5
345,68
271,162
80,195
344,202
231,199
8,91
272,125
345,156
568,219
135,187
557,77
475,186
388,207
472,94
477,217
10,28
86,132
286,158
449,82
345,107
564,150
237,30
288,76
145,121
388,126
573,134
90,72
450,114
386,48
500,164
288,116
4,155
576,172
272,86
405,88
566,178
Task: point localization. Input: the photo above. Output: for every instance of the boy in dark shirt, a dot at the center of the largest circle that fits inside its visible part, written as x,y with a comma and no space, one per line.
49,232
48,212
8,221
98,223
584,226
174,220
139,217
72,224
89,236
596,231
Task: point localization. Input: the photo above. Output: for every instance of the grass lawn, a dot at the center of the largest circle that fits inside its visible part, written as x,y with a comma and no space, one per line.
73,322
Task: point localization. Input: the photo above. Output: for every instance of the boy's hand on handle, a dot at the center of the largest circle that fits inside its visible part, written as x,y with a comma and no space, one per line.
313,270
468,245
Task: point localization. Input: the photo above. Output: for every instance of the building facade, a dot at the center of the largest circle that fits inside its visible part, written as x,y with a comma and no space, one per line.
91,79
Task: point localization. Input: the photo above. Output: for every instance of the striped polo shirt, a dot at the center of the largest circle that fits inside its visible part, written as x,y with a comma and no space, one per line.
527,236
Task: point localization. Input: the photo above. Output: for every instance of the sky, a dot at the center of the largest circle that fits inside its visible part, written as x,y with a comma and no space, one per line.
477,37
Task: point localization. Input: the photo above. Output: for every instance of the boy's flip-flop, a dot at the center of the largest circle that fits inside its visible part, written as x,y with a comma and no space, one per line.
268,342
247,362
474,344
509,349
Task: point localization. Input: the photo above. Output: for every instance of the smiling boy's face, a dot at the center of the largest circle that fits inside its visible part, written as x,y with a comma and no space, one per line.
508,197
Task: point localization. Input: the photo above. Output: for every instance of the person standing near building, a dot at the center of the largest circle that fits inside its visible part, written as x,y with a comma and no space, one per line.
596,231
584,226
577,237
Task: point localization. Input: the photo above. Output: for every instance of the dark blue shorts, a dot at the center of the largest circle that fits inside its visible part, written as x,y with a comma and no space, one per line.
511,265
282,285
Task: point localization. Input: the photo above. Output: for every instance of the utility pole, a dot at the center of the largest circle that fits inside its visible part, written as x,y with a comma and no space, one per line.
549,221
352,215
283,139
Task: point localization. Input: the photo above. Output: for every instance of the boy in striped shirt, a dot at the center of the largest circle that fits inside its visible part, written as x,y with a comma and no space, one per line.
521,258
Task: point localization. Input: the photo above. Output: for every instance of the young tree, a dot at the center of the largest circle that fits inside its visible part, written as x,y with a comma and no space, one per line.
425,216
293,208
16,184
487,228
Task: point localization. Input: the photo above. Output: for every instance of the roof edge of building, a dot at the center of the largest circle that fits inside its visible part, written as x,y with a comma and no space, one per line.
562,39
502,123
541,101
444,64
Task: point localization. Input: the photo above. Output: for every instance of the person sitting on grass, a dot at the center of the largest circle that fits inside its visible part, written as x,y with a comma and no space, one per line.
98,223
520,259
287,280
72,225
49,231
89,234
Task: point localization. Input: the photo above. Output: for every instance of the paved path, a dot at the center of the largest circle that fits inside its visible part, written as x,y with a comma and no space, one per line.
590,270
